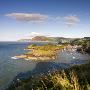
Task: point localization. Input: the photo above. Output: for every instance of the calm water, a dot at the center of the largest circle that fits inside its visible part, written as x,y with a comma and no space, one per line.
10,68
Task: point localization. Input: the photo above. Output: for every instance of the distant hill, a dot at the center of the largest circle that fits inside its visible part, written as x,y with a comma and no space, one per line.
52,39
40,38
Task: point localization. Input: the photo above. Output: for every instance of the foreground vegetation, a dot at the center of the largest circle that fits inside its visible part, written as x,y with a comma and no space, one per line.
74,78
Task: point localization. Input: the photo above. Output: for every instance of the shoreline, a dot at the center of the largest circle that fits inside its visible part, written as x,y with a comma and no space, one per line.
43,58
44,52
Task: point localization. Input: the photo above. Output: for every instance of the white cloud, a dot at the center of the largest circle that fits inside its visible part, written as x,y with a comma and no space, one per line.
38,18
71,20
28,17
33,34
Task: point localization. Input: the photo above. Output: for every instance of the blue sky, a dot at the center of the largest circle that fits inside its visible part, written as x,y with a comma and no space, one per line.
26,18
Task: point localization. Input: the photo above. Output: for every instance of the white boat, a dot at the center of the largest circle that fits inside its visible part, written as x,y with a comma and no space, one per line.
14,58
27,59
73,57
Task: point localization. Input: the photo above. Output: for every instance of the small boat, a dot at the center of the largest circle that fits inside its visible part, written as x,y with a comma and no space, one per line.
27,59
14,58
73,57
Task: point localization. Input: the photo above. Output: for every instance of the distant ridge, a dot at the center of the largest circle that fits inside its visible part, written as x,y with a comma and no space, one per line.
44,38
40,38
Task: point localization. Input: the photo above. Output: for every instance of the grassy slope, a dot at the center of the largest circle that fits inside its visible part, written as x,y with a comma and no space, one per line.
74,78
48,50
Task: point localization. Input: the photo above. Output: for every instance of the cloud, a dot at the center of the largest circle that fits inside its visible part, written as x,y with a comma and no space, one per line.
33,34
38,18
71,20
28,17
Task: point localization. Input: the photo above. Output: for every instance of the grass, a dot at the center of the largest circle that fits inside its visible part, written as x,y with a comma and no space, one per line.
48,50
45,47
74,78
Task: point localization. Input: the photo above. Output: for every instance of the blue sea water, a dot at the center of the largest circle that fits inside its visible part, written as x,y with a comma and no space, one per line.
10,68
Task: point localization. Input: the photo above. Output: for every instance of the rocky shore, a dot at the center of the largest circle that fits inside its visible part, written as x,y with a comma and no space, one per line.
44,52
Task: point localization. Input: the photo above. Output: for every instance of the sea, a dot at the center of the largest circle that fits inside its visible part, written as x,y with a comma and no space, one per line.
11,69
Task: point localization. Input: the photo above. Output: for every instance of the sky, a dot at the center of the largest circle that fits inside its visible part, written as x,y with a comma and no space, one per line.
20,19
